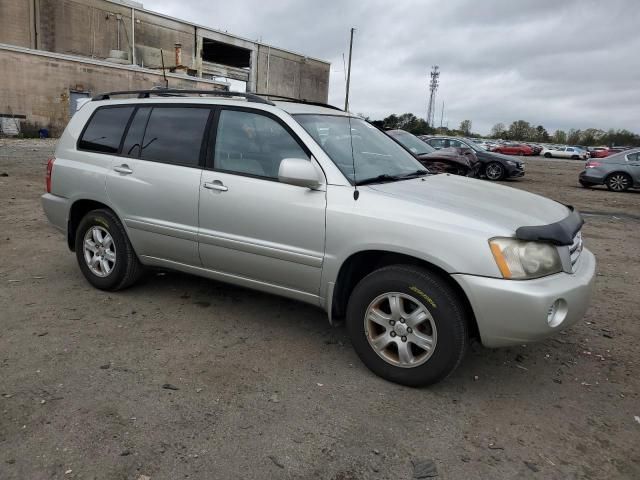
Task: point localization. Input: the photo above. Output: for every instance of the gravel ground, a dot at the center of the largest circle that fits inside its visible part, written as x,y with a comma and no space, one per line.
182,377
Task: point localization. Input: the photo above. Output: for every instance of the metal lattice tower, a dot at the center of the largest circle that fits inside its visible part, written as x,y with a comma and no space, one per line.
433,86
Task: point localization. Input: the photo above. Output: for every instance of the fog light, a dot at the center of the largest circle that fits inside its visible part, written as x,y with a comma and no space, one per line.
557,312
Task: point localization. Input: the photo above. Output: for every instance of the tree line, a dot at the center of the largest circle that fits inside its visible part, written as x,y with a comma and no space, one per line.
519,130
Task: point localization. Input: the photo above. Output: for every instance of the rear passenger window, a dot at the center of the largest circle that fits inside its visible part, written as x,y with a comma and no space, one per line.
253,144
104,131
174,135
133,141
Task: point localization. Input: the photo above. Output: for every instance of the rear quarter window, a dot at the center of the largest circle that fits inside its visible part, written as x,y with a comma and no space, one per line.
104,131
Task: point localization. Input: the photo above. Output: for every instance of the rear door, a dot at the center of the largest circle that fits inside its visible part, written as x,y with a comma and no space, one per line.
633,166
154,181
251,225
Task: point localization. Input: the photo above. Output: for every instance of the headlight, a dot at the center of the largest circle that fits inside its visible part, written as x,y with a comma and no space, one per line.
520,260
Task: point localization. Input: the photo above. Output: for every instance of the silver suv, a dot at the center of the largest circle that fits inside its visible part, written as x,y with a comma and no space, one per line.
312,203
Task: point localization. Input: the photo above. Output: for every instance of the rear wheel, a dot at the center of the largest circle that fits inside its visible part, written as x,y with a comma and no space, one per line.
104,253
494,171
575,157
407,325
618,182
547,155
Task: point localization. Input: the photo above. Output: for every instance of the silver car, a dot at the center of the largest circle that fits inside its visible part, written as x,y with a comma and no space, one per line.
619,172
315,204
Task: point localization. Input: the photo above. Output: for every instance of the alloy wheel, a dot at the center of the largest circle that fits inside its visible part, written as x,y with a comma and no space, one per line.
493,171
400,329
99,251
618,182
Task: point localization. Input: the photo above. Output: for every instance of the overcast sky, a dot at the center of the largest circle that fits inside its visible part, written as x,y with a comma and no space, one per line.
559,63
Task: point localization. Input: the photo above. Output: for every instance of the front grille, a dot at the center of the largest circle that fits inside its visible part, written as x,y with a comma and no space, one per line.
576,249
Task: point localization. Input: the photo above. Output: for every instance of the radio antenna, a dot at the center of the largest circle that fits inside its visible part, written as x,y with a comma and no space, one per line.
164,74
356,193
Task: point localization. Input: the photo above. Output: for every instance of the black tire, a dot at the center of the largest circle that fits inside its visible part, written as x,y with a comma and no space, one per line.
494,171
618,182
437,297
575,157
547,155
126,270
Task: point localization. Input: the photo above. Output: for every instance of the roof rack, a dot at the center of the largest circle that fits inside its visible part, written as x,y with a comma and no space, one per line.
298,100
173,92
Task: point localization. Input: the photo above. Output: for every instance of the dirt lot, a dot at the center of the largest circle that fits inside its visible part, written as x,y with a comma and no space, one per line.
262,387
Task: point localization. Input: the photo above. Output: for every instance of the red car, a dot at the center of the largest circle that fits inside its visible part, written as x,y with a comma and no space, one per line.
514,149
599,152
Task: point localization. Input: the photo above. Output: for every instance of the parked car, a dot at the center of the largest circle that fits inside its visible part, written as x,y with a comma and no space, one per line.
599,152
494,166
618,172
458,161
311,203
565,152
514,149
536,149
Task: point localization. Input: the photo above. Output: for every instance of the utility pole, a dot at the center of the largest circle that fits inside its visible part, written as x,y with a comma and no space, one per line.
346,99
433,86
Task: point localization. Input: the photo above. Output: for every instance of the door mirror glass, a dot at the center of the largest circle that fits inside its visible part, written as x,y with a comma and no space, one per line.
298,171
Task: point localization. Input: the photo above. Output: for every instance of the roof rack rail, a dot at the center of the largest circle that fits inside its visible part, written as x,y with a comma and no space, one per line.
298,100
172,92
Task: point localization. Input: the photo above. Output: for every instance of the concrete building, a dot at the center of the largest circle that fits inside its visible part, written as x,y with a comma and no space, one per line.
53,52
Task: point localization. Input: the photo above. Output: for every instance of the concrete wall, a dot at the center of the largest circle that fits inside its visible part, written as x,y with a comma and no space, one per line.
16,23
39,84
292,76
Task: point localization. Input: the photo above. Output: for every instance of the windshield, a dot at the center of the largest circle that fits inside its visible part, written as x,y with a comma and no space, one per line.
411,142
475,146
374,153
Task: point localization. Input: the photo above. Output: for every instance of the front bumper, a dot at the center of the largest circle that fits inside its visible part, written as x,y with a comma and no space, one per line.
512,312
515,171
57,210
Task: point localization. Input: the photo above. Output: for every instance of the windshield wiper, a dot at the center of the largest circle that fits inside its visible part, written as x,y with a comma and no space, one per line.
379,179
417,173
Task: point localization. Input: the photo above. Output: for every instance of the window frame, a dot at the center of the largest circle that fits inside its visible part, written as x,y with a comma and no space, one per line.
213,137
152,105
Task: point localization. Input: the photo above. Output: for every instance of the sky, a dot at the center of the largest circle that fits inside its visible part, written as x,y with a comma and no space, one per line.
558,63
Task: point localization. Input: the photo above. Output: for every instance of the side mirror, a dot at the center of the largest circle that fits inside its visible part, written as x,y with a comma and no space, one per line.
298,171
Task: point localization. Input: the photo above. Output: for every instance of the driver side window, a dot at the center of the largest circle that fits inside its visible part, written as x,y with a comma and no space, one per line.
253,144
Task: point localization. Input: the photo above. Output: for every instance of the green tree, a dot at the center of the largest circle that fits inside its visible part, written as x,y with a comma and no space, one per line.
498,130
560,136
573,137
541,134
465,127
519,130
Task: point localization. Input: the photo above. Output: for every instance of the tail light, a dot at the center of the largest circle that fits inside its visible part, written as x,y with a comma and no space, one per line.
49,172
591,164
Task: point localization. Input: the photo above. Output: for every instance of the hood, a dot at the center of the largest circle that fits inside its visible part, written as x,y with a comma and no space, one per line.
449,154
503,209
488,156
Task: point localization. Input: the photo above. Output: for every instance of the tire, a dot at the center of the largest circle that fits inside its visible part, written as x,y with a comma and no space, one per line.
547,155
444,322
106,274
618,182
494,171
575,157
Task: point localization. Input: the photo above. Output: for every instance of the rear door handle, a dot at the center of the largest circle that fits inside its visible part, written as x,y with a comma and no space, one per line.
215,185
124,168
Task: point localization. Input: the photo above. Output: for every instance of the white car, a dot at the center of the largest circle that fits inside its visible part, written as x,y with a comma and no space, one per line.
565,152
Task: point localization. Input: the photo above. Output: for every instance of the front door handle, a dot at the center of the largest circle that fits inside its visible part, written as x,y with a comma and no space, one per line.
124,168
215,185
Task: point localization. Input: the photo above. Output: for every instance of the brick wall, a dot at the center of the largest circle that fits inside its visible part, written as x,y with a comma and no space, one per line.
38,87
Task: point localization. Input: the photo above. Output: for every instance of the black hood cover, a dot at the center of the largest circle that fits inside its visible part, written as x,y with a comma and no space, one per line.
559,233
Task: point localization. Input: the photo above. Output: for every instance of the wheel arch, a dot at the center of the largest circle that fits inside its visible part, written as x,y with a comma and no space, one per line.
362,263
78,210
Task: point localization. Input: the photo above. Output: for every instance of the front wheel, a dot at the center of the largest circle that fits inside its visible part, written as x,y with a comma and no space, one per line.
104,253
494,171
407,325
547,155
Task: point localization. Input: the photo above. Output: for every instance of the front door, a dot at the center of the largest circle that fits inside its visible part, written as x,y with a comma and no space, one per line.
154,182
251,225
